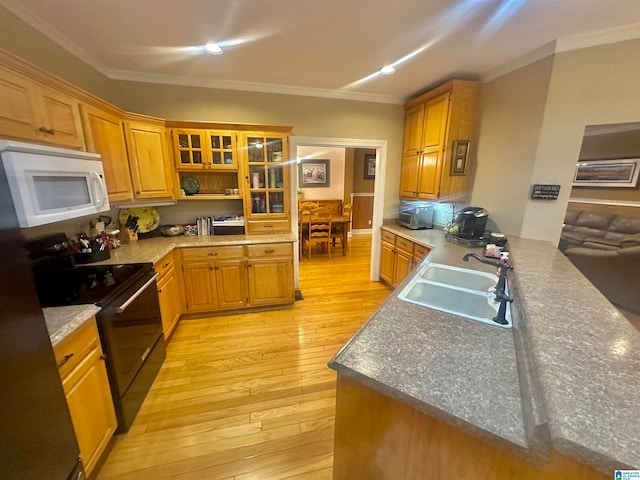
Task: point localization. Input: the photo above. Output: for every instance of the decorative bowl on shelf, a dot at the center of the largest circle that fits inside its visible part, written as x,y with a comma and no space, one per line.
190,185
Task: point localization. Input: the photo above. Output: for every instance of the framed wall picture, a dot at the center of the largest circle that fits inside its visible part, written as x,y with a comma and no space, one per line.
369,166
460,155
313,173
607,173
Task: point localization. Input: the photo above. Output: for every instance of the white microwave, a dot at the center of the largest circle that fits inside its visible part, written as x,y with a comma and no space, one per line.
52,184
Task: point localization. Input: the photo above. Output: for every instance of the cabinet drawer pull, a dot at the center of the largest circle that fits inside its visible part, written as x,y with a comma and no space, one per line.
103,357
50,131
166,265
66,358
270,250
212,254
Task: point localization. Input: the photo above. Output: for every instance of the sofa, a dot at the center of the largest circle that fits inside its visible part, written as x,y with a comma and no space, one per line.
606,249
602,231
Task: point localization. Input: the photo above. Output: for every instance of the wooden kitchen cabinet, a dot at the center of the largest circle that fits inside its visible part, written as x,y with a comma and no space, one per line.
169,295
200,149
270,274
36,112
398,257
86,386
266,205
215,278
151,169
104,133
433,122
237,277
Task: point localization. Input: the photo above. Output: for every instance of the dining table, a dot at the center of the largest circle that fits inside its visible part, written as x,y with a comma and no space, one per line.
336,221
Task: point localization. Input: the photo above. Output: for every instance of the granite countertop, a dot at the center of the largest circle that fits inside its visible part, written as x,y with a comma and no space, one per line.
62,321
568,370
153,249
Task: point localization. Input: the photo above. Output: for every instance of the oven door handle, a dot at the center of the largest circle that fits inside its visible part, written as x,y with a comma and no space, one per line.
124,306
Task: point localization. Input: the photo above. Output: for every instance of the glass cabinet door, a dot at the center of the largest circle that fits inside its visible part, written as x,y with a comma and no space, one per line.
189,149
222,146
267,175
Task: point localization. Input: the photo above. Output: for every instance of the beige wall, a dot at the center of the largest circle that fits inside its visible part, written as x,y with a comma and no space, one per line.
336,157
360,184
592,86
512,109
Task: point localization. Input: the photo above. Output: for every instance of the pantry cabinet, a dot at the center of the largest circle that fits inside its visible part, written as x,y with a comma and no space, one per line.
267,182
32,111
433,122
398,257
151,169
86,387
236,277
104,132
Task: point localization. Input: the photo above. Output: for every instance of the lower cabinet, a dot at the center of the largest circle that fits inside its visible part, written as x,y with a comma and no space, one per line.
169,295
235,277
86,387
270,274
398,257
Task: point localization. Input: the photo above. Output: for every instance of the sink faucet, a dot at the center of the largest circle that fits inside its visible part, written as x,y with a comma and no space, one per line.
501,295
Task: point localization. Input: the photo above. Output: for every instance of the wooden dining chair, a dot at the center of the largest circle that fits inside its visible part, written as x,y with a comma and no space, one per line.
319,232
304,215
340,232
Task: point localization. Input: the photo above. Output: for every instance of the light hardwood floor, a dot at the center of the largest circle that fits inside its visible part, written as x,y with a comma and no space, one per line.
249,396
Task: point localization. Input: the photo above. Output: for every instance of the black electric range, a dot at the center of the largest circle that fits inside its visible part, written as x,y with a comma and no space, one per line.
129,321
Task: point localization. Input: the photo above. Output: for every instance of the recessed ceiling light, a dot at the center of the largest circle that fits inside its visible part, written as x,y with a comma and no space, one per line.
213,48
388,70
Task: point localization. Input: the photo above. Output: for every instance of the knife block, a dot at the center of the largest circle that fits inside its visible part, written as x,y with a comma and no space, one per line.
127,236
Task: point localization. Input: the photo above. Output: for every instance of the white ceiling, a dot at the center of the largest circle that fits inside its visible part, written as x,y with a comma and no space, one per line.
323,47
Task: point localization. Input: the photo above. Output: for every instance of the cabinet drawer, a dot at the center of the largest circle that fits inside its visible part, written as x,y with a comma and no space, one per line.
268,226
388,237
72,349
404,245
208,254
421,251
164,265
269,250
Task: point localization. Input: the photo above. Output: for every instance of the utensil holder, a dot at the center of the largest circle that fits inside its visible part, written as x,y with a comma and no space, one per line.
127,236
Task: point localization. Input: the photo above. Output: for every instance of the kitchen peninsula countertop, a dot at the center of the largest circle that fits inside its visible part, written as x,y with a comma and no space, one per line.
569,369
153,249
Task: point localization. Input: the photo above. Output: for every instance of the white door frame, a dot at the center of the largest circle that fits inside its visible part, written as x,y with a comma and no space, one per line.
378,200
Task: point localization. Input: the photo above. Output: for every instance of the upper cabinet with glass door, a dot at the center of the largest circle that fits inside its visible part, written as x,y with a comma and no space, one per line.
268,176
205,149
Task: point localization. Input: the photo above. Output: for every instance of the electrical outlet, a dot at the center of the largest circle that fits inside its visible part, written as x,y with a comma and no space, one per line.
369,222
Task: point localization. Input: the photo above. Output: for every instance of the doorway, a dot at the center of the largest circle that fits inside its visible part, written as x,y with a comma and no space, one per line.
380,146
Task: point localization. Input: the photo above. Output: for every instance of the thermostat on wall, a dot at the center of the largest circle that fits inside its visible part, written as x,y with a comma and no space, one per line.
545,192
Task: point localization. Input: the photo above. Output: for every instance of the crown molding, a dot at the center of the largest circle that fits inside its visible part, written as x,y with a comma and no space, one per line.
599,37
566,44
526,59
252,87
44,28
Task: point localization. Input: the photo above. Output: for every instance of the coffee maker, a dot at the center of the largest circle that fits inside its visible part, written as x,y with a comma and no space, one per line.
471,223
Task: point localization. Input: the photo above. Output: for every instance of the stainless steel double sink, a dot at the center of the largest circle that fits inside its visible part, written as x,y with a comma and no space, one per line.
459,291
